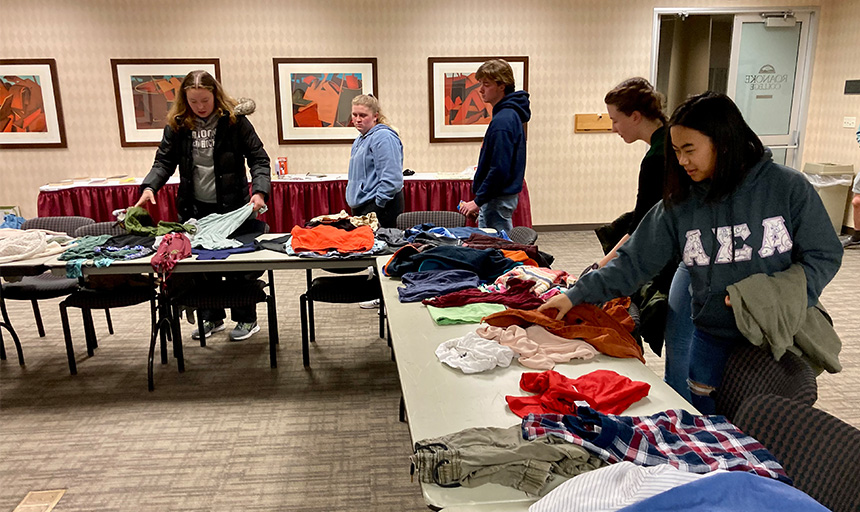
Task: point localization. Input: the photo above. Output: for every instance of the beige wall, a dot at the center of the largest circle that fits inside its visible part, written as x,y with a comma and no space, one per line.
577,50
835,61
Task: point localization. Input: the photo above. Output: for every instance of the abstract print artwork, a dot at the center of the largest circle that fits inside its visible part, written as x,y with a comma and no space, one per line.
323,99
153,96
31,115
463,103
457,112
145,90
314,98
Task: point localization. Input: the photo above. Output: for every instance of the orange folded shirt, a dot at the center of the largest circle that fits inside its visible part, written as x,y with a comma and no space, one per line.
322,239
519,256
608,329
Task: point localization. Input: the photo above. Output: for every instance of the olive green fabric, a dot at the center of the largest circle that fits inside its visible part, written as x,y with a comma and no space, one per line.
479,455
138,222
771,311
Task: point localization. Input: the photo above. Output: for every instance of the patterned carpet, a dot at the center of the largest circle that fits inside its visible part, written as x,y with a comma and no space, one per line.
232,434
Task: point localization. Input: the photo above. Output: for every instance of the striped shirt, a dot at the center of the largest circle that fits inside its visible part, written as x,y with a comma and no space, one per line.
613,487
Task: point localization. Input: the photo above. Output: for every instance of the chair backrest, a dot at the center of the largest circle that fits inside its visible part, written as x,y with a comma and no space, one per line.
523,235
820,452
752,371
441,219
66,225
100,228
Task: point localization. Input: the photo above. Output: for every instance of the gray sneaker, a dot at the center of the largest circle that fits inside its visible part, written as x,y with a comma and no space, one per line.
208,329
243,331
369,304
849,242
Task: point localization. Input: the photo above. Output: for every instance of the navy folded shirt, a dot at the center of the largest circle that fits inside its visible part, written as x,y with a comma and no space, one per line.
431,283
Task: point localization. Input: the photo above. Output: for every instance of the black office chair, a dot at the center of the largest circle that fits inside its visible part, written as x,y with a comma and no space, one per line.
444,219
102,228
125,291
43,286
347,289
819,452
523,235
226,293
230,293
752,371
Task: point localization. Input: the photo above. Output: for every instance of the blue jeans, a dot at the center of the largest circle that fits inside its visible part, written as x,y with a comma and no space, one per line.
708,356
498,213
678,334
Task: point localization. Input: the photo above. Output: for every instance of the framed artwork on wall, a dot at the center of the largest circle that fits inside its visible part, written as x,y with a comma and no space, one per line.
145,90
31,114
313,97
457,112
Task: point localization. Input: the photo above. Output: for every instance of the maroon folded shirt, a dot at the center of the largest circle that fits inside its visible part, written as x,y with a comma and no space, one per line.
518,295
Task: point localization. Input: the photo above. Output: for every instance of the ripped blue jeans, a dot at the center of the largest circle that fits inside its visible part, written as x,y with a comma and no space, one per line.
708,356
678,334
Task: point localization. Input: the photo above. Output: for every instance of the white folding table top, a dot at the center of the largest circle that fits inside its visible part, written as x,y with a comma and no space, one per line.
243,262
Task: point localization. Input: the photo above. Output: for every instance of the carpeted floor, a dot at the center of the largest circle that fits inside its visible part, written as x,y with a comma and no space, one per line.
232,434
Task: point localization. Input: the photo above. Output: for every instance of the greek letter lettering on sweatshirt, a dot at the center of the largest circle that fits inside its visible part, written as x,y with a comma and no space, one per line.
775,218
502,162
375,167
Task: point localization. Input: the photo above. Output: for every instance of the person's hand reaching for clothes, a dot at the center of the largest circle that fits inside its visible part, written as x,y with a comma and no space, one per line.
147,196
559,303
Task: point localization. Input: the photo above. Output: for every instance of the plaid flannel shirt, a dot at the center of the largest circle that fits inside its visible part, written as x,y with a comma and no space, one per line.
697,444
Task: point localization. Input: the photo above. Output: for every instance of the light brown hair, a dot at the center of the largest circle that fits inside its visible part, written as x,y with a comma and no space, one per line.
498,71
181,114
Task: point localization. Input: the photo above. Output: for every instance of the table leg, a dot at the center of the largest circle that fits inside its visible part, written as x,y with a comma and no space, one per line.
7,324
165,331
161,329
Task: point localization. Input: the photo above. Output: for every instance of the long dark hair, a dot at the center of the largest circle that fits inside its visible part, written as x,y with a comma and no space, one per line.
737,147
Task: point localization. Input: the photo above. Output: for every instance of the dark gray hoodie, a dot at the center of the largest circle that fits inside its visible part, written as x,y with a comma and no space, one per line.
774,218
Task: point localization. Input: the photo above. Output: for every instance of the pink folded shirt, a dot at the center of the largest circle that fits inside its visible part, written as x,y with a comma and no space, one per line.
538,348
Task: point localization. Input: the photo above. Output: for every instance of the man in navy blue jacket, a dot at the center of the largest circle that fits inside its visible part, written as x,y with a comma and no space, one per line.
502,162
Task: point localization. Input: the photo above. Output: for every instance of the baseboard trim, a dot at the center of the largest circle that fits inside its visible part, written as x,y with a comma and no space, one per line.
567,227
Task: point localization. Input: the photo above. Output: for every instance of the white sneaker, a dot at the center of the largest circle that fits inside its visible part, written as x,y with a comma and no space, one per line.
370,304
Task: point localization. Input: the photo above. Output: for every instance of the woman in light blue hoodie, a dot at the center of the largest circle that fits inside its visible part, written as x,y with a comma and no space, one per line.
375,164
728,212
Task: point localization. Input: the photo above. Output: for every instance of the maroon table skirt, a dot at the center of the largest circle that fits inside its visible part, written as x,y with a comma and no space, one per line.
291,203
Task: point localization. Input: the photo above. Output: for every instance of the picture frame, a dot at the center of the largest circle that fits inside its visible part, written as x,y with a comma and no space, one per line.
31,113
144,91
313,97
457,113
